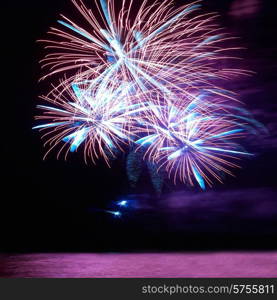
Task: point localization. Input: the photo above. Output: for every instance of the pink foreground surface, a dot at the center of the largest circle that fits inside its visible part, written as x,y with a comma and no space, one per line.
212,264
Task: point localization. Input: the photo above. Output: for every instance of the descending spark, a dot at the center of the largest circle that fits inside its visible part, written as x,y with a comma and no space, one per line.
122,203
116,214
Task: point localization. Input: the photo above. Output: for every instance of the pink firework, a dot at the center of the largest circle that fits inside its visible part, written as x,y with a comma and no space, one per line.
157,46
101,122
195,143
148,75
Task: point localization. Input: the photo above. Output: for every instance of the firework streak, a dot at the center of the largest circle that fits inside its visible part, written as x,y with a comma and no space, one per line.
149,78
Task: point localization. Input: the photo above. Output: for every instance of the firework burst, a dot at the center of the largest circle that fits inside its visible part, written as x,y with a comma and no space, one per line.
101,121
195,143
158,46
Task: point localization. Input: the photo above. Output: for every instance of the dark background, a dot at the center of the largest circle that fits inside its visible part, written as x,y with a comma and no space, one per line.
57,206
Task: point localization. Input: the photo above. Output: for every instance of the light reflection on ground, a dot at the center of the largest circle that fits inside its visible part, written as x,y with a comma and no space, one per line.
201,264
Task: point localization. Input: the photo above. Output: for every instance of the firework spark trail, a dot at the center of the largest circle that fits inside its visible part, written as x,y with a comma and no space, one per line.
152,77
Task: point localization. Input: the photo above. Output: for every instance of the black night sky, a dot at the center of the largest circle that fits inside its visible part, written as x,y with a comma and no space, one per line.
55,205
